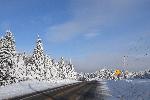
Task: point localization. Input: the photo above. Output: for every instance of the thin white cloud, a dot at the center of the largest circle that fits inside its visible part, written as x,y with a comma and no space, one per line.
89,16
63,32
84,20
91,35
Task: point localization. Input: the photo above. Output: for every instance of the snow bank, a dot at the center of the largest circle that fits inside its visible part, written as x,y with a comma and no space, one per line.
129,89
28,87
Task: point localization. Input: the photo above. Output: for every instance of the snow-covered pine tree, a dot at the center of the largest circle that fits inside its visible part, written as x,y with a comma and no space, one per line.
29,64
49,68
61,68
7,61
9,42
66,70
21,70
38,59
104,74
71,74
55,70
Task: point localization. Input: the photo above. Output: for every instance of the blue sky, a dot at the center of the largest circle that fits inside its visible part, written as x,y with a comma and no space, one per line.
95,34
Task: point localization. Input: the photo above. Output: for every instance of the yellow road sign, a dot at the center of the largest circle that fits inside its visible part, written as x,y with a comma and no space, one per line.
117,72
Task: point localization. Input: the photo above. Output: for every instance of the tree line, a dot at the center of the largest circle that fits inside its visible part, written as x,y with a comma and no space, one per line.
16,67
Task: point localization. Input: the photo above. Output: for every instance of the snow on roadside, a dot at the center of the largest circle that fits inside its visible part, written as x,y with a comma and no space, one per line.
129,89
103,89
28,87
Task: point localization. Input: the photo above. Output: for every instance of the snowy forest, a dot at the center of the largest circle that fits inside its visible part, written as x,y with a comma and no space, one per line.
109,74
16,67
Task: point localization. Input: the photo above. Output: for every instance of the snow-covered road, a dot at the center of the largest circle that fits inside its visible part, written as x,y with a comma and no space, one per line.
77,91
101,90
28,87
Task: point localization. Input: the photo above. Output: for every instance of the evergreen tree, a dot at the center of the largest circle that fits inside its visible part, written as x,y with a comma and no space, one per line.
7,61
55,70
66,70
20,70
48,65
38,59
9,42
62,68
71,74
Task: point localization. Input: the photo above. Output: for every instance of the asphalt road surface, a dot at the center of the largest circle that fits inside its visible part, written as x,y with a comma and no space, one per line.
79,91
